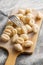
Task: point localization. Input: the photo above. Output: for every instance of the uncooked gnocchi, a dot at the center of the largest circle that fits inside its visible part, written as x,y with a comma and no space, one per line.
20,40
19,36
15,37
5,37
18,47
28,43
31,22
24,30
29,28
29,17
19,30
28,11
35,28
24,36
21,11
38,16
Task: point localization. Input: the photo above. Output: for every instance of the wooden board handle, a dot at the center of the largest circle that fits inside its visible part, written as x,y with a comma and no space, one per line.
11,59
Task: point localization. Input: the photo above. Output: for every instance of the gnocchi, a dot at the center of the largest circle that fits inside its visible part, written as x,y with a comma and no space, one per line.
23,19
24,30
29,28
20,40
18,47
21,11
9,27
24,36
28,43
15,37
19,16
28,11
35,28
19,30
31,22
5,37
14,31
38,16
28,17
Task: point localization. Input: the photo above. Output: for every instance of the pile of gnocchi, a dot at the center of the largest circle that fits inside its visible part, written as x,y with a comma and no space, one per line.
19,36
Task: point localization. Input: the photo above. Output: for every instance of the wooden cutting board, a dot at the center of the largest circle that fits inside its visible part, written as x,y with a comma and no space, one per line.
13,54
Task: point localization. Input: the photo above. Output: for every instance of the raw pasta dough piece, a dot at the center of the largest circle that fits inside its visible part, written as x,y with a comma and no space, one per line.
19,30
21,11
24,30
19,16
23,19
31,22
38,16
28,43
24,36
35,28
15,37
5,37
9,27
18,47
20,40
29,28
14,31
28,11
29,17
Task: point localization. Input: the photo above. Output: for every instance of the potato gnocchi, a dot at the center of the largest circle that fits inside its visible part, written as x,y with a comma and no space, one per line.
19,36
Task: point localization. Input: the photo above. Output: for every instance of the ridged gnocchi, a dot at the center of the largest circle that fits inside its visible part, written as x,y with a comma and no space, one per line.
24,36
15,37
5,37
28,11
20,40
35,28
31,22
28,43
22,11
29,28
38,16
18,47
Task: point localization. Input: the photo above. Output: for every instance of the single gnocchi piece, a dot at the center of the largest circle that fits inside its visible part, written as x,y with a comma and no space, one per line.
21,11
31,22
5,37
15,37
38,16
19,16
9,27
20,40
28,17
7,30
29,28
24,30
14,31
23,19
10,23
19,30
28,43
28,11
9,34
24,36
35,28
18,47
